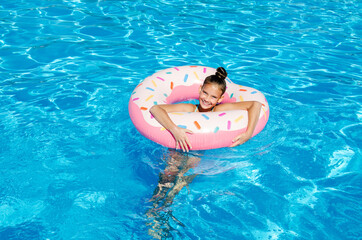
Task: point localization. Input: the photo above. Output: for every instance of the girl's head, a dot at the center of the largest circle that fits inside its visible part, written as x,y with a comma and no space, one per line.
212,90
218,78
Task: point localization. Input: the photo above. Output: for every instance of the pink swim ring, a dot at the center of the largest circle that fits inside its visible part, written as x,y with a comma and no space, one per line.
211,129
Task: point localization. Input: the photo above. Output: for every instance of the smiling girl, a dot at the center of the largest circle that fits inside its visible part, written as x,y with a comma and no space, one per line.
211,94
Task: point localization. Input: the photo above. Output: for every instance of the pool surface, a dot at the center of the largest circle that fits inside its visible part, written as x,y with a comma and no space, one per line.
74,167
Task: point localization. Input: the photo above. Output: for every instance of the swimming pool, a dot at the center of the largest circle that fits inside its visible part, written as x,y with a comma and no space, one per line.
74,167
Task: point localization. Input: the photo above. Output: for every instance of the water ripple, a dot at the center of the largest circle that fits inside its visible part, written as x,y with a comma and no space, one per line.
67,70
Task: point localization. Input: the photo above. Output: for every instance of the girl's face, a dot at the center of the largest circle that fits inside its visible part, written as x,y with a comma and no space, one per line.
210,95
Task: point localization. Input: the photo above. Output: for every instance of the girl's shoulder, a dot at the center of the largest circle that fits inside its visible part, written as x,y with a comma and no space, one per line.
234,106
221,107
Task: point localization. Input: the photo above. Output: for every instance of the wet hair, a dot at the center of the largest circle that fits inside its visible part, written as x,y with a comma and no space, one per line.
218,78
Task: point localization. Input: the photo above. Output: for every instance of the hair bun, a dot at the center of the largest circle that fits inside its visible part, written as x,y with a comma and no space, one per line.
221,73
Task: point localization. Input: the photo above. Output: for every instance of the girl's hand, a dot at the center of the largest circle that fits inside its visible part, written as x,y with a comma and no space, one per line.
240,139
181,138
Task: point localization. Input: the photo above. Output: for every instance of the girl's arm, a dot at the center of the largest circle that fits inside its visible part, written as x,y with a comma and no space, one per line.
160,113
253,109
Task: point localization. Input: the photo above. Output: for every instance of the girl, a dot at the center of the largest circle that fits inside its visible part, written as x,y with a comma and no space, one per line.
210,95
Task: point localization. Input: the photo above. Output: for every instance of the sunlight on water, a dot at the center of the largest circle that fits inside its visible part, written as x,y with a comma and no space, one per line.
74,166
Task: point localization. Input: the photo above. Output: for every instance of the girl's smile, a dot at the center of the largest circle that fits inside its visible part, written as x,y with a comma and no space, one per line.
210,95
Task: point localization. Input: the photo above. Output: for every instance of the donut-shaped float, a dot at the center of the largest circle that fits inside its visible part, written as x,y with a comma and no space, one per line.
210,129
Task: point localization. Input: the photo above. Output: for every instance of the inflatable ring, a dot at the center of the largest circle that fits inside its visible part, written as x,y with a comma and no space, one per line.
211,129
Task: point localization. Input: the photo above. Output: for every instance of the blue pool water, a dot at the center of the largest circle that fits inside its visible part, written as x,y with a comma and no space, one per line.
74,167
